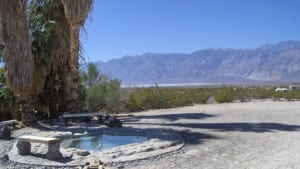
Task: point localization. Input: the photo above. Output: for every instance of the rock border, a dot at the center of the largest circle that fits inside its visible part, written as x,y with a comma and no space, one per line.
159,142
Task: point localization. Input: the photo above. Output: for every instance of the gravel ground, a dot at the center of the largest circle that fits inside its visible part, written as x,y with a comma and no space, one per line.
251,135
262,135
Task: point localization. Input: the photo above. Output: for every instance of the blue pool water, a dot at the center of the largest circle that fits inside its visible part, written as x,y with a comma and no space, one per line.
101,142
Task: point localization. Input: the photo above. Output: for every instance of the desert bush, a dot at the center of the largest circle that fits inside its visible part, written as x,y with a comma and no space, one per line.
224,95
155,97
104,97
95,98
200,96
242,94
100,93
136,100
112,96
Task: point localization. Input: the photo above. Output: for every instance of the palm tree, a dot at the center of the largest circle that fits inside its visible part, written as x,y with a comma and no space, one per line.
52,54
17,53
76,12
31,69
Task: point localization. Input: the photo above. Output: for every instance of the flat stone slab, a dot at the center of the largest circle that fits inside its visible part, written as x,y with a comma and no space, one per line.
68,115
37,139
8,122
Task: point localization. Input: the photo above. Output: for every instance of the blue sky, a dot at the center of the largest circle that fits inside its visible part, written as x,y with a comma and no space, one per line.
130,27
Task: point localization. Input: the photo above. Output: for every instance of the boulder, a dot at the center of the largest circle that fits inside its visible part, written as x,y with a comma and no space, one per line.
5,133
113,122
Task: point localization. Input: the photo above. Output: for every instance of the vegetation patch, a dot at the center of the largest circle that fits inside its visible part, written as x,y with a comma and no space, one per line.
157,97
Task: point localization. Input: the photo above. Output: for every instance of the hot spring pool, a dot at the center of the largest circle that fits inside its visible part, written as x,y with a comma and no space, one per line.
100,142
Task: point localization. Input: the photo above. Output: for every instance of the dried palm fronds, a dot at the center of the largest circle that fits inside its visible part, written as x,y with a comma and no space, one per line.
76,12
17,52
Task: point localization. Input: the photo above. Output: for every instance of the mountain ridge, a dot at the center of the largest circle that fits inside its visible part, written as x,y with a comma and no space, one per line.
268,63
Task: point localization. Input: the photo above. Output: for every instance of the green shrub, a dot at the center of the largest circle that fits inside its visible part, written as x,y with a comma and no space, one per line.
155,97
224,95
104,97
136,100
112,97
100,93
200,95
95,99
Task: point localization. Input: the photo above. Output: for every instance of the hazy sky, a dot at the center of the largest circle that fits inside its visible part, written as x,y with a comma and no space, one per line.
130,27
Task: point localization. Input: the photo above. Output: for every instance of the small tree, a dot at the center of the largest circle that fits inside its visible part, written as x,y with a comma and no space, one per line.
113,98
101,93
95,99
93,76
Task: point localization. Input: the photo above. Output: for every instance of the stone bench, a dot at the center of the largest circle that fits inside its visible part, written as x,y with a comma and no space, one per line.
53,153
84,116
9,122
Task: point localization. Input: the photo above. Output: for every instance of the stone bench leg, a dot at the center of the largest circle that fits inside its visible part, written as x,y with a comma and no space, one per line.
100,119
66,121
15,125
24,147
53,152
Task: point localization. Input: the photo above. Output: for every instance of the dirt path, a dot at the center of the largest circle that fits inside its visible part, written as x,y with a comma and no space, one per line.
254,135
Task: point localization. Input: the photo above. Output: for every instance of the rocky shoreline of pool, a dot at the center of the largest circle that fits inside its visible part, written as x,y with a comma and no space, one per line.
158,143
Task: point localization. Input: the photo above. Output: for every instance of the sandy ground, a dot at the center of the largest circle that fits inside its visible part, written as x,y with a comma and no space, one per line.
253,135
262,135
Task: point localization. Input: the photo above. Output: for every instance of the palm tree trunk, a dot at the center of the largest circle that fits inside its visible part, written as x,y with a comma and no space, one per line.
17,53
76,12
73,80
27,112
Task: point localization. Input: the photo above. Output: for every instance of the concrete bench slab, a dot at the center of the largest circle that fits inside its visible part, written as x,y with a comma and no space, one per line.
42,140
